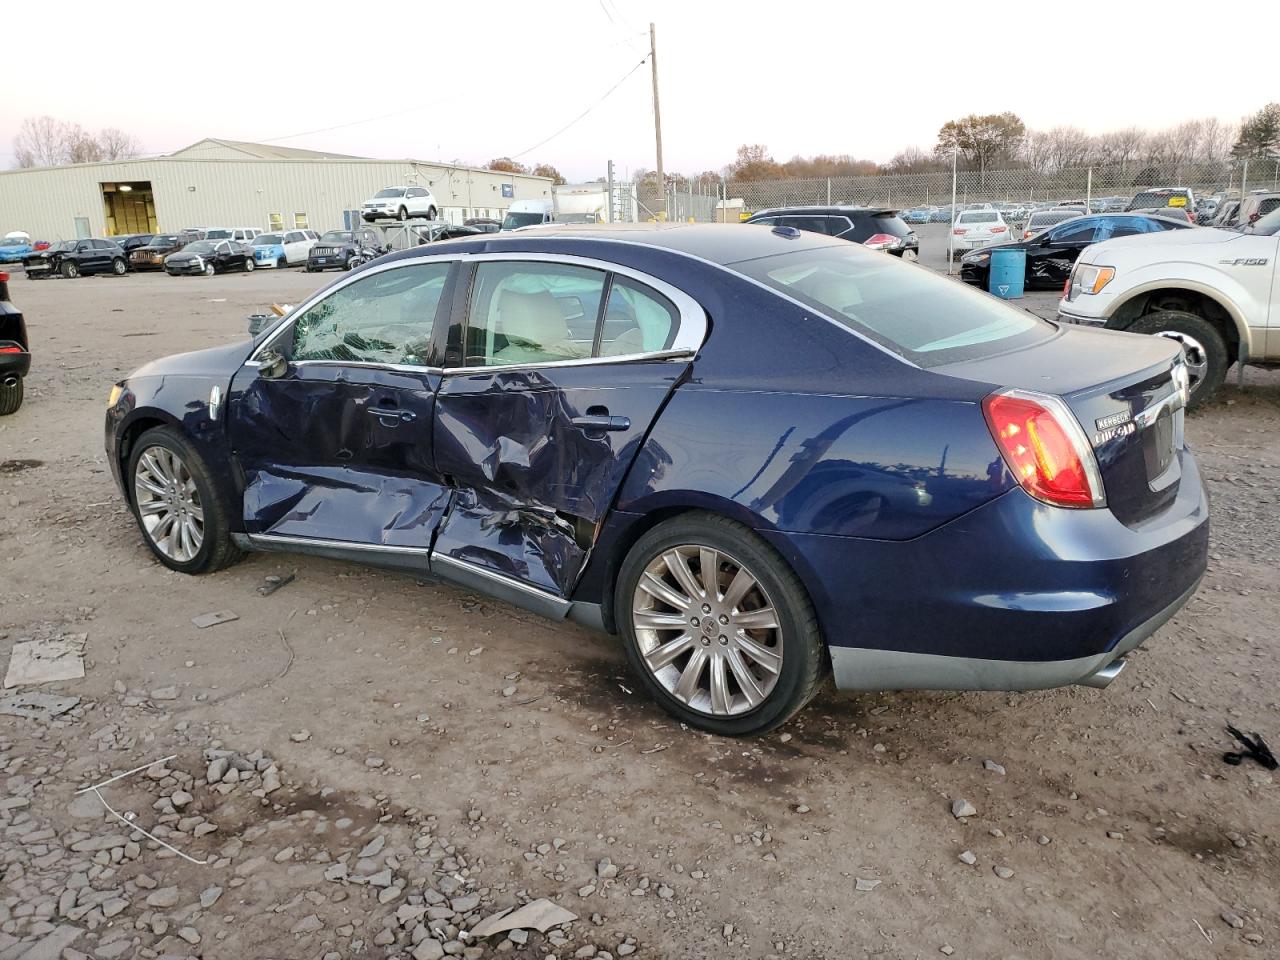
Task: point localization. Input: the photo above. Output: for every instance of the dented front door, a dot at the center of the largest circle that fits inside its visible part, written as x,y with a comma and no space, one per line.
563,373
337,447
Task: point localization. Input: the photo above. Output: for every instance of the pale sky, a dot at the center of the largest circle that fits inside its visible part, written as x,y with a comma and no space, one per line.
477,80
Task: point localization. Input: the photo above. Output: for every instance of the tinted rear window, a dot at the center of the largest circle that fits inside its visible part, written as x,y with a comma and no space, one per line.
1151,199
925,318
983,217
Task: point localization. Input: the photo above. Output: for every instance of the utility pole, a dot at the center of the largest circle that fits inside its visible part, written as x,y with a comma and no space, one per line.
657,116
609,175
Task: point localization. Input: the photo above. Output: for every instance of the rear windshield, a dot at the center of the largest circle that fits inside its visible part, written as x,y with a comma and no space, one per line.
336,236
513,220
1150,199
218,235
891,224
925,318
985,217
1049,219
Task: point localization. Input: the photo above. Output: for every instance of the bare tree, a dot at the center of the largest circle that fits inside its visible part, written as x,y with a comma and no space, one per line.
1068,147
118,145
1122,147
40,142
1037,151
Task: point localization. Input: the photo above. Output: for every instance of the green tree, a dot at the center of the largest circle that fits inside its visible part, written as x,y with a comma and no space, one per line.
1260,133
982,139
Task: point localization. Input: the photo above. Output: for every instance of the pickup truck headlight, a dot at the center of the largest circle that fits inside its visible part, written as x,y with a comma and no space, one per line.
1091,279
114,396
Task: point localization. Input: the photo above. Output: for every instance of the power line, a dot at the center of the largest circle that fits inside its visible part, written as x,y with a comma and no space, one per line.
643,61
352,123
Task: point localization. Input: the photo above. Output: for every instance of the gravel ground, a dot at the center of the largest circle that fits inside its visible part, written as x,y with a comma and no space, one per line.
366,764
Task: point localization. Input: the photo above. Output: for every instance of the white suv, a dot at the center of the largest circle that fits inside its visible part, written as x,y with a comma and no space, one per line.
400,203
1217,292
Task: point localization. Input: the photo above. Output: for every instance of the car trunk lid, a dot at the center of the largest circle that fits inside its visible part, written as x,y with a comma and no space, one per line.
1123,391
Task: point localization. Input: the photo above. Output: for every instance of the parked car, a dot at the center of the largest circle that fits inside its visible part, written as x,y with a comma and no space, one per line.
287,249
74,258
941,215
208,257
1210,290
15,351
1227,214
1256,205
483,224
132,241
1041,220
917,215
434,232
875,227
235,234
344,250
978,228
1158,198
1052,253
151,255
15,246
400,203
795,488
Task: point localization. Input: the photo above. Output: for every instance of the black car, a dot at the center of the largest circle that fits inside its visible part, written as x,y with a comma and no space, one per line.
879,228
1052,254
208,257
74,258
15,356
343,250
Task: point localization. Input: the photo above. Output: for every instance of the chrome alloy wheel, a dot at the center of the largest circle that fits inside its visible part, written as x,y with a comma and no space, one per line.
1194,353
707,631
169,503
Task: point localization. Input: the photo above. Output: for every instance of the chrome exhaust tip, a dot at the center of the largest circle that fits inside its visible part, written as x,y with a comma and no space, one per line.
10,381
1104,676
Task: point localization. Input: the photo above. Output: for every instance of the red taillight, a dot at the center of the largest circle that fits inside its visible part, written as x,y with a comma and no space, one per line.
880,241
4,278
959,231
10,349
1045,448
999,229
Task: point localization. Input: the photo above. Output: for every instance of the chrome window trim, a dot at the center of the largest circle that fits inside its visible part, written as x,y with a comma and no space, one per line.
691,319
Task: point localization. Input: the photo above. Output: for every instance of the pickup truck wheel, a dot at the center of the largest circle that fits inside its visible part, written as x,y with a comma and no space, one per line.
10,398
1202,344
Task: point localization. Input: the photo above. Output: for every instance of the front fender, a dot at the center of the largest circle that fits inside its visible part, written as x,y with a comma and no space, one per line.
1220,287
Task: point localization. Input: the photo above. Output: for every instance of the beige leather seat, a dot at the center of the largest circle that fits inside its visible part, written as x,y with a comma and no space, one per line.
632,341
535,329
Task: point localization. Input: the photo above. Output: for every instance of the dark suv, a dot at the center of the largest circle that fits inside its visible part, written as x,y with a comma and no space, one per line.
74,258
343,249
877,227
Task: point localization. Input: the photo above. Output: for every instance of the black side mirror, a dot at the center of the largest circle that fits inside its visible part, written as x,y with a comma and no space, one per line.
271,364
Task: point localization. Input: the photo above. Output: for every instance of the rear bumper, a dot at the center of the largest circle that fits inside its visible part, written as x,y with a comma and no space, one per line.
1013,595
14,364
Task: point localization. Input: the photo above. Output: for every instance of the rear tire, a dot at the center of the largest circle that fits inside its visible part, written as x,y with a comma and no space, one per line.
119,267
168,447
249,266
794,638
1202,344
10,398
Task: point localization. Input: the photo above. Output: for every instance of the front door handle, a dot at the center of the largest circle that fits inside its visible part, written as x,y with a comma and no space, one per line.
601,422
390,417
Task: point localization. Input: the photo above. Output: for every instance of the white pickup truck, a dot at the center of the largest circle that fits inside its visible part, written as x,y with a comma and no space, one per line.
1217,292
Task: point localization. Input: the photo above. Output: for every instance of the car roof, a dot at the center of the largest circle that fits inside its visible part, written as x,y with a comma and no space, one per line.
835,208
718,243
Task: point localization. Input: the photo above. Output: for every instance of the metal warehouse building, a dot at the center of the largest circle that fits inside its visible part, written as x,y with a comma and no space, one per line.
228,183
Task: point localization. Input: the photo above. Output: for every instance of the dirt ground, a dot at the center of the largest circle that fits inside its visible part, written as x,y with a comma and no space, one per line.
442,756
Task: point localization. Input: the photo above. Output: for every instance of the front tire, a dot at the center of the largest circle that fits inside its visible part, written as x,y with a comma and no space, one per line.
353,262
755,656
70,269
10,398
210,270
174,500
431,213
402,214
1202,345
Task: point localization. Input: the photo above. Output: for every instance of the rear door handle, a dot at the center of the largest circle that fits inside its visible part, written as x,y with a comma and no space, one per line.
601,422
390,417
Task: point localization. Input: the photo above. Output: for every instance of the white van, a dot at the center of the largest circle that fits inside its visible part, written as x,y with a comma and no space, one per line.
528,213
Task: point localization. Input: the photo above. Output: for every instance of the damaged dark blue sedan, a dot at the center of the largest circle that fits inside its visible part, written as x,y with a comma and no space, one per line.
757,455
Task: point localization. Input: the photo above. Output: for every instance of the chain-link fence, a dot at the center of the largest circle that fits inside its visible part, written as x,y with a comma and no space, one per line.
1024,185
678,205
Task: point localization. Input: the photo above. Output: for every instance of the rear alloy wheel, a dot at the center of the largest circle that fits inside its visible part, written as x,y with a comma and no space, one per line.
353,262
1202,346
119,267
10,398
716,625
175,504
70,269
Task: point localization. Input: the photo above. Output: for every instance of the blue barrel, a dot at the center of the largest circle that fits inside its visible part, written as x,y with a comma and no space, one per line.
1007,274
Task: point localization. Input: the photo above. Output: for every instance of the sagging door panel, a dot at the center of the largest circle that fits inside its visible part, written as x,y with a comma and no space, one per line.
530,471
338,447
